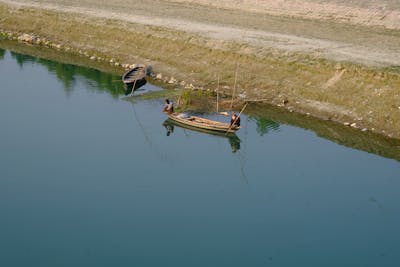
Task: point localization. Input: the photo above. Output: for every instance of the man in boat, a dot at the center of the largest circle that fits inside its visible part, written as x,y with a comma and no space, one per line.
169,107
235,120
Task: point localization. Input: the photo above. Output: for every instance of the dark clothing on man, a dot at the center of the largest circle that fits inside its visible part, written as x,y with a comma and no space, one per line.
235,121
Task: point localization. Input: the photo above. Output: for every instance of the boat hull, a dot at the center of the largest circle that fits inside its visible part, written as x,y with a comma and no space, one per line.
233,139
205,124
131,87
135,74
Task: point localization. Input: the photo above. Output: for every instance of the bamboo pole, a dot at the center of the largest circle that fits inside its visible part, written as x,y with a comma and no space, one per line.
234,85
218,95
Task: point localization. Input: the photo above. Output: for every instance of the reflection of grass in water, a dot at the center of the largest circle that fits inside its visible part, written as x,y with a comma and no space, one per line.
68,74
2,53
265,125
342,135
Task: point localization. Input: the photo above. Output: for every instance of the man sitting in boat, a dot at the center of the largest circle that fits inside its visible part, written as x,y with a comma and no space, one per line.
169,107
235,120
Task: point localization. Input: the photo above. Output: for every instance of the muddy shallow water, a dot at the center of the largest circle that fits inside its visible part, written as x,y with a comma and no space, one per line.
88,178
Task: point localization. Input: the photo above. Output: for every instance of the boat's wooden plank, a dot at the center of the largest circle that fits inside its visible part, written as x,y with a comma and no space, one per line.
135,74
204,123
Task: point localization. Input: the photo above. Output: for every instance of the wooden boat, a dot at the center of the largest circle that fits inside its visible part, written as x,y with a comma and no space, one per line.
233,139
135,74
202,123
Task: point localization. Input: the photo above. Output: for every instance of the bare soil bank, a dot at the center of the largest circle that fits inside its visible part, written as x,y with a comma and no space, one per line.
191,51
321,37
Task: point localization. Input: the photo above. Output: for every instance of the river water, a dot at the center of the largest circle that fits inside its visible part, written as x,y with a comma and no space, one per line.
88,178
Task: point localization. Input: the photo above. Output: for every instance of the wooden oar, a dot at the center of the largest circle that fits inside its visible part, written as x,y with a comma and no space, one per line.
230,127
133,88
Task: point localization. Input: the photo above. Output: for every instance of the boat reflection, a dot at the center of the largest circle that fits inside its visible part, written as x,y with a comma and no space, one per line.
233,139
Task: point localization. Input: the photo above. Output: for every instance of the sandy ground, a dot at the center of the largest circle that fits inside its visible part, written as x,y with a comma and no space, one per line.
322,34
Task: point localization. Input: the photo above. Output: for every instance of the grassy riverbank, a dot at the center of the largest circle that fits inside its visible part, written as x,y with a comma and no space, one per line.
346,93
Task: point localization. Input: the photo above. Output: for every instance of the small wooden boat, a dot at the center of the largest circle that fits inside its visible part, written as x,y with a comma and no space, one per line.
202,123
135,74
233,139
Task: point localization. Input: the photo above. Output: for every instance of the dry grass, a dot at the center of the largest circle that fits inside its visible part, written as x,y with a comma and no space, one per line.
369,97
